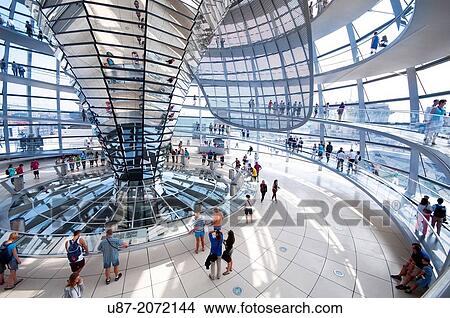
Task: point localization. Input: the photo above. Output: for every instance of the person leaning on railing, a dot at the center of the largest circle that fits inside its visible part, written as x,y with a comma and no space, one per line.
439,215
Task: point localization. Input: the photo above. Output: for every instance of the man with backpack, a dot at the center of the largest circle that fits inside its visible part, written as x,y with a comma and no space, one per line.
9,259
110,247
439,215
76,249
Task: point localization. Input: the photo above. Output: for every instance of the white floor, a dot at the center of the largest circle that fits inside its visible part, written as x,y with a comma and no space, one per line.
273,257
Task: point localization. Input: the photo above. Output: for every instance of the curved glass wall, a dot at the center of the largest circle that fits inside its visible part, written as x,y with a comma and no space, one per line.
262,79
261,20
37,119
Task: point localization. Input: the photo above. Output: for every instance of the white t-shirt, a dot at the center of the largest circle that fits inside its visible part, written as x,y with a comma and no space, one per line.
352,155
341,155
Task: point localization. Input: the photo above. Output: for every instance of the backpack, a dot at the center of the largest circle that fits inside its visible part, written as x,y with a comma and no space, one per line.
440,211
74,251
7,172
5,256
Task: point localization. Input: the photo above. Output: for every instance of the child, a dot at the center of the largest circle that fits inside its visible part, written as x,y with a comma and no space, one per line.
424,278
199,232
226,255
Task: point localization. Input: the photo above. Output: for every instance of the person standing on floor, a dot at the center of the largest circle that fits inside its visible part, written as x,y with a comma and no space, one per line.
110,246
248,209
21,71
217,219
329,151
258,168
77,162
96,156
275,189
83,159
340,156
216,240
263,190
374,43
76,248
439,215
187,156
91,159
10,259
11,172
20,171
351,158
427,113
71,163
228,253
254,173
199,231
15,68
34,165
103,158
340,111
436,122
74,287
29,28
320,150
425,210
300,145
4,66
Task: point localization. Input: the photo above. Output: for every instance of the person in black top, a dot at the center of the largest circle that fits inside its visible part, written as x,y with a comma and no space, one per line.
29,28
226,255
263,190
328,151
412,268
439,215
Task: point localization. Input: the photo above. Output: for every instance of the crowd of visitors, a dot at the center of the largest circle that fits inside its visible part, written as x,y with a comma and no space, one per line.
77,250
17,69
318,151
284,108
415,274
73,163
28,27
216,238
216,128
180,154
295,144
77,161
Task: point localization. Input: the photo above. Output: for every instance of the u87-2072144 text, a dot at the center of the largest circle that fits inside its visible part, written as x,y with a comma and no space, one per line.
150,307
